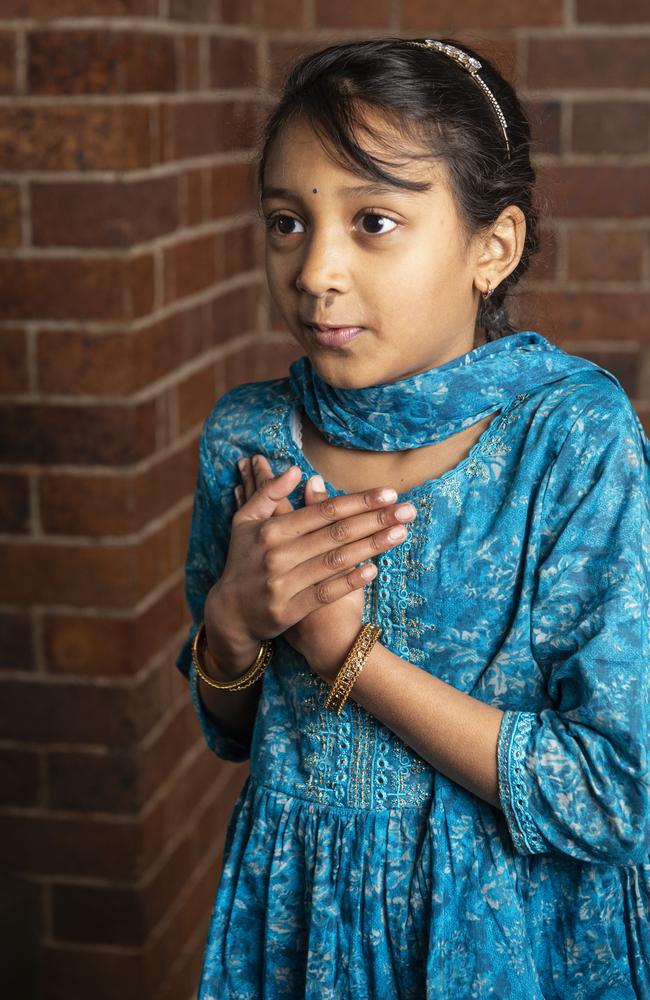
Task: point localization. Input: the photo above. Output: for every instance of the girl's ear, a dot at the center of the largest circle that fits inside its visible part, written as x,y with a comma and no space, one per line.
501,248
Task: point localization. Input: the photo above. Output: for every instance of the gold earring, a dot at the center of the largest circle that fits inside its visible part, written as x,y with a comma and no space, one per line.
488,291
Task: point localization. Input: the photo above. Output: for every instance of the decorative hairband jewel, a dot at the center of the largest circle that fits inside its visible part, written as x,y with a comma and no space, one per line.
472,66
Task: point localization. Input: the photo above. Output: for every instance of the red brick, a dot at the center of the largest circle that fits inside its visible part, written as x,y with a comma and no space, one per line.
543,266
113,576
190,267
610,126
193,10
120,363
562,315
75,137
88,505
282,13
99,62
16,650
7,62
206,127
597,189
194,199
233,62
473,13
233,190
188,922
10,227
608,61
234,313
69,972
605,12
238,12
501,51
14,504
84,575
282,57
115,505
103,213
107,288
92,646
20,782
193,782
162,755
97,915
196,397
81,8
93,782
42,844
605,254
105,435
13,361
544,118
118,916
362,14
189,48
71,711
236,251
73,362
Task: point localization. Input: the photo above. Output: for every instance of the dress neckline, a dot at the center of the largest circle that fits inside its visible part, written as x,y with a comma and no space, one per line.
484,443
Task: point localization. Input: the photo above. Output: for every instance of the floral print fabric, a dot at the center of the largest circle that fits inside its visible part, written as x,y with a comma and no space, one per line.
352,868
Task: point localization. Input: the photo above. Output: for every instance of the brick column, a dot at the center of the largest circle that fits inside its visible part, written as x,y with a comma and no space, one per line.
131,297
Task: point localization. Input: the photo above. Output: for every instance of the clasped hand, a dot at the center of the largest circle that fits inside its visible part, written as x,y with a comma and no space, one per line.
294,571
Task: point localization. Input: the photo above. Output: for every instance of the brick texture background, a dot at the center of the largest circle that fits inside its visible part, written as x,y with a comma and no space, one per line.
132,296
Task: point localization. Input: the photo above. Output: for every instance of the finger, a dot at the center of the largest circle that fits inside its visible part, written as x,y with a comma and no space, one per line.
262,471
342,559
331,590
263,501
248,481
239,496
369,528
303,520
314,490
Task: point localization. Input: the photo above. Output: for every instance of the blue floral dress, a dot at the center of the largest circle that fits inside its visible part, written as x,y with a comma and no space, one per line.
353,870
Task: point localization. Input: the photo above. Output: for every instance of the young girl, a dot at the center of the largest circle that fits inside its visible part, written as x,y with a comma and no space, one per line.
447,727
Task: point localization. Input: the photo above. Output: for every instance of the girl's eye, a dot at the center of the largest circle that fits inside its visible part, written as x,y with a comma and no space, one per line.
283,223
377,220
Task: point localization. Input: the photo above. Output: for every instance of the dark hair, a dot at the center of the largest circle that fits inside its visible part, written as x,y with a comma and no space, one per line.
427,96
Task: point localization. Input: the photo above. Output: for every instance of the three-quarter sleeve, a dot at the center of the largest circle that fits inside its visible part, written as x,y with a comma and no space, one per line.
573,778
206,555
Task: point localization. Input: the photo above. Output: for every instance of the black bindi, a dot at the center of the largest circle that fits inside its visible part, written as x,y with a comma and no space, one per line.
314,190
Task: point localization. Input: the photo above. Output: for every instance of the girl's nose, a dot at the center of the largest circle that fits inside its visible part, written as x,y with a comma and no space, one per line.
322,268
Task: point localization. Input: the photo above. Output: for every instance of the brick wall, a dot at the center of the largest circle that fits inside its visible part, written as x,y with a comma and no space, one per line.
131,296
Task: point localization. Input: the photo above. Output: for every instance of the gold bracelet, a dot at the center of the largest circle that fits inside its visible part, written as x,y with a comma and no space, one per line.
352,666
253,673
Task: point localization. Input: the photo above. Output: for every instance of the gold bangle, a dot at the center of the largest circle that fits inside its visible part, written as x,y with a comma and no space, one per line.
253,673
352,666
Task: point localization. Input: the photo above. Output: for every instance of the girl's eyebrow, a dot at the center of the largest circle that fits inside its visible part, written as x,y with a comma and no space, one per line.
357,191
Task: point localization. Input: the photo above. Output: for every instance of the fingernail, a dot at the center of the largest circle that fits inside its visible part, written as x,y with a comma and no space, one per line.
241,464
404,512
318,484
387,495
256,461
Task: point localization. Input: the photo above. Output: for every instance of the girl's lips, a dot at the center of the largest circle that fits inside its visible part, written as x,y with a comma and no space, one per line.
335,336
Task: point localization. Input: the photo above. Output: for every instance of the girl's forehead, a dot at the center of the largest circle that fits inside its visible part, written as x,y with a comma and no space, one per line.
298,147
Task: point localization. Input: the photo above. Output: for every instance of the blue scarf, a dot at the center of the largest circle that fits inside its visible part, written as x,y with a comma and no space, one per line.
428,407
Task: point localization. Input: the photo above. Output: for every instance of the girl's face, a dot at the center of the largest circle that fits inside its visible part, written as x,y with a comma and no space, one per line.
346,252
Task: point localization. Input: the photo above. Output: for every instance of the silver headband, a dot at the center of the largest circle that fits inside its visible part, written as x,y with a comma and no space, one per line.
472,66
